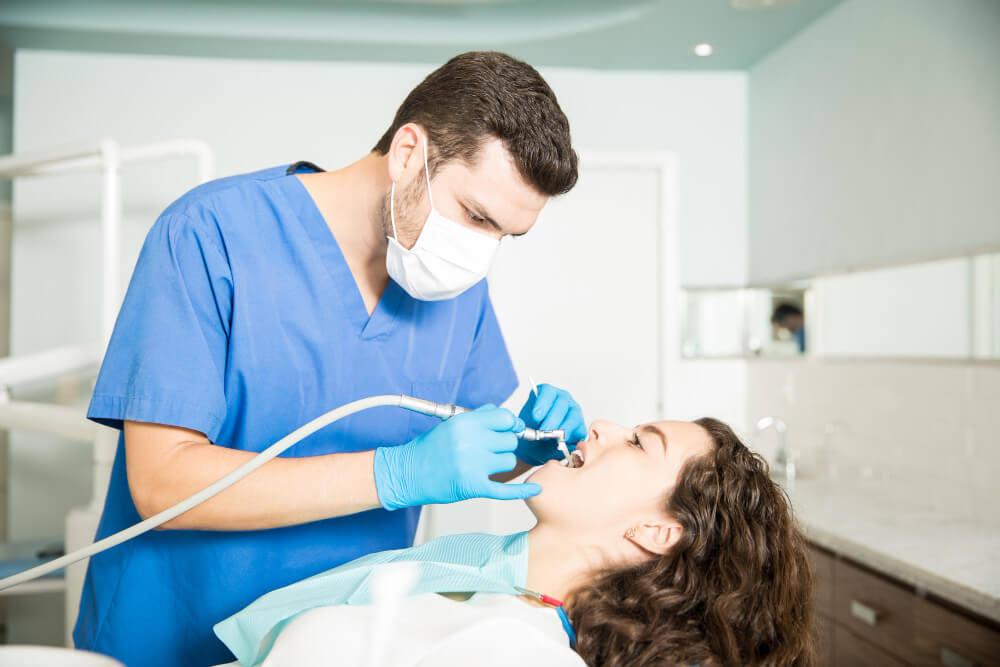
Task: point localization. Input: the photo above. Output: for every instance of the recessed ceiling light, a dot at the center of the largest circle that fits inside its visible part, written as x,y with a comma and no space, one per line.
703,49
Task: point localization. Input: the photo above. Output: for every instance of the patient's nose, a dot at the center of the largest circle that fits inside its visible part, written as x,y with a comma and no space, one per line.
604,431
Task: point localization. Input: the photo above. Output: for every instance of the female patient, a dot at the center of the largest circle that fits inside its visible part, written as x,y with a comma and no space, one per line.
668,543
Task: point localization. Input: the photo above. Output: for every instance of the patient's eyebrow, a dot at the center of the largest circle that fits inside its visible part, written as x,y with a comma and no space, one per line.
659,432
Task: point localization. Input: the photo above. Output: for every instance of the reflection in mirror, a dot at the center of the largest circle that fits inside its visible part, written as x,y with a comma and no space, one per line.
788,319
743,322
919,310
943,309
713,323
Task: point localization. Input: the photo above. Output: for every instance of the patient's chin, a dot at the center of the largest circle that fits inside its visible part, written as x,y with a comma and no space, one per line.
555,481
548,470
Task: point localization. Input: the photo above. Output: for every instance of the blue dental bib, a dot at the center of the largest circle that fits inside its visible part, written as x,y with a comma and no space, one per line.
473,563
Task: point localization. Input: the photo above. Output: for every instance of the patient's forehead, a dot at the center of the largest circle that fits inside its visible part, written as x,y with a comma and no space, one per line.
685,439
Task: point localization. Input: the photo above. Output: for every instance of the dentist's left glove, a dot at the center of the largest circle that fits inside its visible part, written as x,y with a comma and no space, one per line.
453,461
552,409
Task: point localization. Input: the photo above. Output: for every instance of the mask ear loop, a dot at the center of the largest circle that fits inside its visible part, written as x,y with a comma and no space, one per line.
392,211
427,173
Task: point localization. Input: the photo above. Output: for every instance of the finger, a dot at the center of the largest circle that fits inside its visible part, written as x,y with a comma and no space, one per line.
496,419
501,443
547,395
501,463
499,491
557,415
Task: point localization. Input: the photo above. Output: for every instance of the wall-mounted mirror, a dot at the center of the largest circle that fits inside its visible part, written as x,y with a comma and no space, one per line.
745,322
945,309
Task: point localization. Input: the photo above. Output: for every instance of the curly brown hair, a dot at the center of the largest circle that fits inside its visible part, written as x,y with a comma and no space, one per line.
735,589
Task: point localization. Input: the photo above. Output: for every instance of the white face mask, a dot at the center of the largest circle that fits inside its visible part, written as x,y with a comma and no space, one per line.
447,259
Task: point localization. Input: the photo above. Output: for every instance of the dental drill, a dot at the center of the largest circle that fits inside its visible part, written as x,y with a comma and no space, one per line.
429,408
447,411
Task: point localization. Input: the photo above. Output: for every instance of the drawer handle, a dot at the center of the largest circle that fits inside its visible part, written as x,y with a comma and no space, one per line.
864,613
951,658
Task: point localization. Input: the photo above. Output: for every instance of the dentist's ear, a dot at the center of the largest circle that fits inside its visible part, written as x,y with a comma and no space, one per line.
405,151
656,537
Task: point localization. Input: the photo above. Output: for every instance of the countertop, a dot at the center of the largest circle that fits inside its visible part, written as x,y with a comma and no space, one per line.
939,542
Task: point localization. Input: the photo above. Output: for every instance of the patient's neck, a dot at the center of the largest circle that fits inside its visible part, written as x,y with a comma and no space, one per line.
557,565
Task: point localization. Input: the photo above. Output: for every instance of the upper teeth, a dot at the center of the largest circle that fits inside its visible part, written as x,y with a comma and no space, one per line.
576,459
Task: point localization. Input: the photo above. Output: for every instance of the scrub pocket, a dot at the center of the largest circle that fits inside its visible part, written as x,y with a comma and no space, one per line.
439,391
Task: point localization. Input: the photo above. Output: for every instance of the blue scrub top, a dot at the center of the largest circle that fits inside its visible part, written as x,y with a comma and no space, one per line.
243,321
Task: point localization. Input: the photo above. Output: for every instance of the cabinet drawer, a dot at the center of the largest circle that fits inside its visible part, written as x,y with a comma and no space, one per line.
946,638
874,609
824,640
822,565
849,650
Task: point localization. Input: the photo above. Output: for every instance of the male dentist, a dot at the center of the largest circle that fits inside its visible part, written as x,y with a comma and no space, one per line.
261,301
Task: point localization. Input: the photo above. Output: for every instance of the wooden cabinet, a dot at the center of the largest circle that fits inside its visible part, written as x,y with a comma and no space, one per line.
822,565
873,608
852,651
824,639
864,618
942,637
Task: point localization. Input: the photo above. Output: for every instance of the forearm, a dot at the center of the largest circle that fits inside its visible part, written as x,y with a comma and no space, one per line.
283,492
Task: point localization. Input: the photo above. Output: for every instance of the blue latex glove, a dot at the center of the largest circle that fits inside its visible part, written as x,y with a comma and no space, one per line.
553,408
452,462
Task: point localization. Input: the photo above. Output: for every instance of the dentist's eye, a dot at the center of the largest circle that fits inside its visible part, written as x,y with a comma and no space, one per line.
635,441
478,219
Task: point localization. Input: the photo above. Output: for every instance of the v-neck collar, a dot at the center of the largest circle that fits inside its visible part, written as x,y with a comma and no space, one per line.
382,321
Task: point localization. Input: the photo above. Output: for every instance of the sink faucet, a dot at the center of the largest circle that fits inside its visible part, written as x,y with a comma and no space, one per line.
783,461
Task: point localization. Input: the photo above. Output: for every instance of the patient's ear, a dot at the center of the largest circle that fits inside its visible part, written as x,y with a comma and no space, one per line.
655,536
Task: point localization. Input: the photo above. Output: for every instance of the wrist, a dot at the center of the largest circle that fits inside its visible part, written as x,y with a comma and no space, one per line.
387,466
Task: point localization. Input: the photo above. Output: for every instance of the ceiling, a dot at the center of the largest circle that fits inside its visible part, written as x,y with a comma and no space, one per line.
603,34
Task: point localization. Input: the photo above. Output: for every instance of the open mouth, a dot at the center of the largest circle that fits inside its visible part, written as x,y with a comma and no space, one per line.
576,459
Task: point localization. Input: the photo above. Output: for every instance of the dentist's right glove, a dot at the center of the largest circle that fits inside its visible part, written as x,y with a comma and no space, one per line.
452,462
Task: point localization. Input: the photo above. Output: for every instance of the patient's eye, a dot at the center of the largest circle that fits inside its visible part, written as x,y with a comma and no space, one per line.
635,441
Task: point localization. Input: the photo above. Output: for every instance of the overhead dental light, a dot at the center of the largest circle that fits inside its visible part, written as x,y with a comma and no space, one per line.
704,49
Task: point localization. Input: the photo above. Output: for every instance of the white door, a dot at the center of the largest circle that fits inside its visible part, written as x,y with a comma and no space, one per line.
578,298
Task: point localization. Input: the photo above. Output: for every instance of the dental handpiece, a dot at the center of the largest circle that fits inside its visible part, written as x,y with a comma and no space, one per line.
449,410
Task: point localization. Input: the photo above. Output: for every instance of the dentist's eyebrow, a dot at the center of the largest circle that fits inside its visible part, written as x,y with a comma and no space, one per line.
658,432
479,210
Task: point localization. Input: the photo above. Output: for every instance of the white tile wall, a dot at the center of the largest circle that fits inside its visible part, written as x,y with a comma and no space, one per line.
933,424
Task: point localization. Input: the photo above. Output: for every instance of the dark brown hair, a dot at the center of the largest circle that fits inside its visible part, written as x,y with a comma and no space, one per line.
735,589
484,94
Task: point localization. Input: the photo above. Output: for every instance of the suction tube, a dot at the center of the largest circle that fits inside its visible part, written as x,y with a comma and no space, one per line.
208,492
439,410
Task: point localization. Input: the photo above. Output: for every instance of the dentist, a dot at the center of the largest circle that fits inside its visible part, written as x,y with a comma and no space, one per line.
262,300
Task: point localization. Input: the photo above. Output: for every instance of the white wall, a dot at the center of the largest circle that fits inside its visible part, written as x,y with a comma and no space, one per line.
934,425
258,114
875,137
